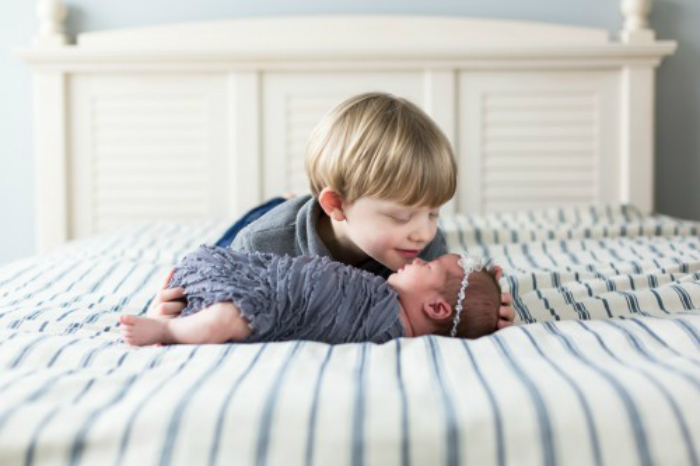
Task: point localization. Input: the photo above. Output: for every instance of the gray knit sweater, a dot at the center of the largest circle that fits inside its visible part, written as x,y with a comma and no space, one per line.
291,228
292,298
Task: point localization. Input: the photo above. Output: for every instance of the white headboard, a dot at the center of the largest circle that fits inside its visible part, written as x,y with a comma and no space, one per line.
194,121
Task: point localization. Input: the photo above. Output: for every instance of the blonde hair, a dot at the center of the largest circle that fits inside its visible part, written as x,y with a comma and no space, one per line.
381,146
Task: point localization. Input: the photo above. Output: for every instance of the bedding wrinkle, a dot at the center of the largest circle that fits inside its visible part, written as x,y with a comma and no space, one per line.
667,396
635,423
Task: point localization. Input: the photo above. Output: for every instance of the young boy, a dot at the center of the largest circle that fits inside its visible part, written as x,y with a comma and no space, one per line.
379,170
255,297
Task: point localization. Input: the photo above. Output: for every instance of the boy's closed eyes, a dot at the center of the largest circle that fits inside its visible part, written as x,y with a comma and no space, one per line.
405,217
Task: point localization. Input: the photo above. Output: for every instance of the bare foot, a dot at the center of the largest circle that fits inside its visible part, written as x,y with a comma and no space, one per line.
143,331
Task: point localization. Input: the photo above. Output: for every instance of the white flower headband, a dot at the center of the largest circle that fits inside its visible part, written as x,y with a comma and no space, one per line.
469,264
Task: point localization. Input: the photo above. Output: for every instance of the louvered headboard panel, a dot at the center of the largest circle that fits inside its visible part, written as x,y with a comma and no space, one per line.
539,140
294,102
198,121
146,148
301,114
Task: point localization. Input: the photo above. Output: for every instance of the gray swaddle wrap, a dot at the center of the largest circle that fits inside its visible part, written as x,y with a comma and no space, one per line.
292,298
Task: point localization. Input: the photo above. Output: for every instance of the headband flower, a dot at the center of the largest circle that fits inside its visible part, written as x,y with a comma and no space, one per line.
469,264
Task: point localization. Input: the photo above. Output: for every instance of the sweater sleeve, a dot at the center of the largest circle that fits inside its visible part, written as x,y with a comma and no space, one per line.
242,242
436,248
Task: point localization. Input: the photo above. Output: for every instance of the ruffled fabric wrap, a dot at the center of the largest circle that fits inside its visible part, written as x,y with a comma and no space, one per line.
292,298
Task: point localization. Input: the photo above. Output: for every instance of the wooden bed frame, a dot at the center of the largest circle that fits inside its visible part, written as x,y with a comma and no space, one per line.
197,121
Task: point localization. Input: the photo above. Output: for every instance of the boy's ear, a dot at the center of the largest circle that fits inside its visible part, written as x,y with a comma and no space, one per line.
332,204
437,309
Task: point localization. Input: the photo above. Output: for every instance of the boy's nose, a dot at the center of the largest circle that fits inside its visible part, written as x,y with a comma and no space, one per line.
420,234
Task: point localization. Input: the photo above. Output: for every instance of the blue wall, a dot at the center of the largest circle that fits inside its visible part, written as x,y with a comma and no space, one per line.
678,96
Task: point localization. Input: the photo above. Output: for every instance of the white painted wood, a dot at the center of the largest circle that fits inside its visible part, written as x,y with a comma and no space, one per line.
389,33
441,105
636,28
244,131
637,136
566,105
147,148
523,135
636,14
515,57
51,15
50,167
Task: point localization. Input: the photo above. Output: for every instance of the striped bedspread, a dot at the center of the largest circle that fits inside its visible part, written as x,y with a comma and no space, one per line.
602,368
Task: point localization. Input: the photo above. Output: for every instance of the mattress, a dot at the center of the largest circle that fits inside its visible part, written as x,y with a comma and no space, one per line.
602,366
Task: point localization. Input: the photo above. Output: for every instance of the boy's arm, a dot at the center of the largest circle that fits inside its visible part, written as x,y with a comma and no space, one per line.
506,313
436,248
168,302
242,242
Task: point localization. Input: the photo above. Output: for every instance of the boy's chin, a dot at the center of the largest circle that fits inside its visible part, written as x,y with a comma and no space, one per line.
394,262
395,266
400,264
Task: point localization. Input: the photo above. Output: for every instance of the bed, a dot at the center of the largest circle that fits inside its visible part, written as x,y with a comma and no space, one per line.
150,141
602,368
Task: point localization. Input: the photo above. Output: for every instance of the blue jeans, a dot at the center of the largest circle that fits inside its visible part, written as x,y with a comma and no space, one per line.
249,217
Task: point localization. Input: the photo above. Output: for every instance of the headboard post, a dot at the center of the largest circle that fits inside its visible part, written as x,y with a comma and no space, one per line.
52,14
637,131
637,111
635,29
50,121
51,160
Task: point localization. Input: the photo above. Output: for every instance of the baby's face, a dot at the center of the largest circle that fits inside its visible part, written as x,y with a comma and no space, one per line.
420,279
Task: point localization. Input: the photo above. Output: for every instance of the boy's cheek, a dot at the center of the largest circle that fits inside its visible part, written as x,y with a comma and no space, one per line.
395,261
388,243
386,253
433,233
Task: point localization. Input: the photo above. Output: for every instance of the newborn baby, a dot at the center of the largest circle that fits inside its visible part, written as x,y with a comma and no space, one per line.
254,297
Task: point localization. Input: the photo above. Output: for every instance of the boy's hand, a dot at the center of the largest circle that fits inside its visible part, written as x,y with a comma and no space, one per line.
168,302
506,314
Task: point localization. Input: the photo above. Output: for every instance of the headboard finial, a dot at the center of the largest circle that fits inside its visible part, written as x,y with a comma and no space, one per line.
636,28
51,14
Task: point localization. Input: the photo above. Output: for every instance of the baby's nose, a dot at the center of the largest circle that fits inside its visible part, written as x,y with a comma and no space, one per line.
418,261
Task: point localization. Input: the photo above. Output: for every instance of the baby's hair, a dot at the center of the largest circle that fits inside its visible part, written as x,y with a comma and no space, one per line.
480,307
379,145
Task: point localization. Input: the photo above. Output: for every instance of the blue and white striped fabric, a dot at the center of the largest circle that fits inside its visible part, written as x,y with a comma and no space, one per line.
588,264
563,389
